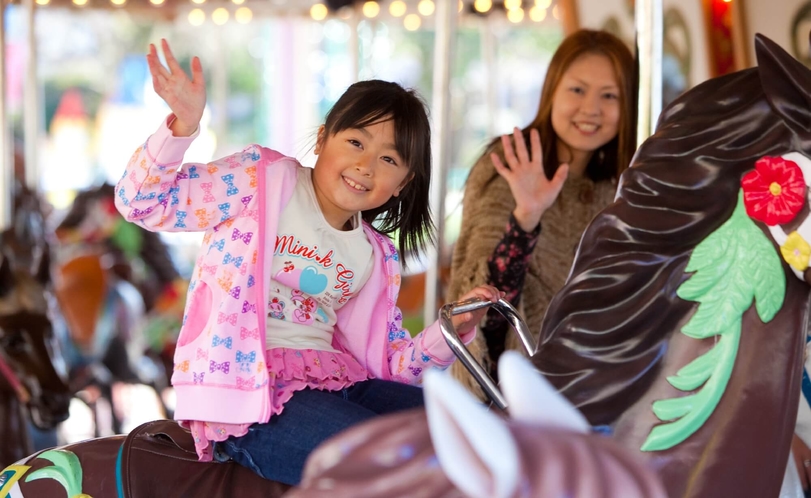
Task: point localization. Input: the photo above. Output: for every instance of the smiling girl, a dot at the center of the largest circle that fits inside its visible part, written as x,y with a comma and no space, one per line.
291,332
581,140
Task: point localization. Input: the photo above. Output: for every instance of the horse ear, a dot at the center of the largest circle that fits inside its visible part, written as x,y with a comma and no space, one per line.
532,399
474,447
786,83
6,275
43,275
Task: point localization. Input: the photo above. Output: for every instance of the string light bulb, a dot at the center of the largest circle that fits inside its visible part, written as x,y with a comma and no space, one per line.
318,12
483,6
537,14
220,16
243,15
426,7
371,9
412,22
397,8
515,15
197,17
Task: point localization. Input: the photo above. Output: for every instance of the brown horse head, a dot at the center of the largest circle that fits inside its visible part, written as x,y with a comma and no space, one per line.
456,448
681,326
33,365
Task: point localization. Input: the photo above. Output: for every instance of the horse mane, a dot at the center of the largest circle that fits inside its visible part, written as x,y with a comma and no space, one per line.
605,333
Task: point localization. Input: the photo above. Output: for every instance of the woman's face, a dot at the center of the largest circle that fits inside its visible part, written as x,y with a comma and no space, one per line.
585,105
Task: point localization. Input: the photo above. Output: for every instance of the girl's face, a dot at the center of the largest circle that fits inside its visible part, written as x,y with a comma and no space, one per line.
357,170
586,106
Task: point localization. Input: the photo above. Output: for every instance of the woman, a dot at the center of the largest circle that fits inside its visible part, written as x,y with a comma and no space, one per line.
581,141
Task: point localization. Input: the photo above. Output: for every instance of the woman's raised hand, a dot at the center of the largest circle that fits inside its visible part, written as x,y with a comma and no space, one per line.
185,97
533,192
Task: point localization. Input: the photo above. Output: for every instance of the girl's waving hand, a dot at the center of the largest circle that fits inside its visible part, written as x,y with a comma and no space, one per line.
185,97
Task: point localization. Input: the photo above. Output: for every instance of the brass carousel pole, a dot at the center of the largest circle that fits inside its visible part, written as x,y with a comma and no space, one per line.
444,42
6,164
648,19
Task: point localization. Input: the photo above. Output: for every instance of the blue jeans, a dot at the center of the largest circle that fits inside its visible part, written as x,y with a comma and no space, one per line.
278,449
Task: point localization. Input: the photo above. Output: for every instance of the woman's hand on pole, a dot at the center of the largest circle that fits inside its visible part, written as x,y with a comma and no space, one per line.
185,97
533,192
466,322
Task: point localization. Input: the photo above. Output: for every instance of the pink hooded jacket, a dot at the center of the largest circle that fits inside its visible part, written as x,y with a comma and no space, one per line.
220,373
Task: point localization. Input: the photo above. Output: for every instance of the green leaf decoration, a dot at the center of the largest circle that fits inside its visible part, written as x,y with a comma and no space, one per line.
66,470
733,266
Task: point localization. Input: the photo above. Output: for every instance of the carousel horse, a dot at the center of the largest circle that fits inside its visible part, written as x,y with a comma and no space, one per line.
682,325
453,448
101,314
33,386
544,449
110,275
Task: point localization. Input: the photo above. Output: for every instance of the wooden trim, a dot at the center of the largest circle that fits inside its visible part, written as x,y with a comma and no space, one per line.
741,36
569,17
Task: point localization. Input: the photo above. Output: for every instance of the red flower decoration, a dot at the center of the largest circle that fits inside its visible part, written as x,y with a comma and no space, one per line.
775,191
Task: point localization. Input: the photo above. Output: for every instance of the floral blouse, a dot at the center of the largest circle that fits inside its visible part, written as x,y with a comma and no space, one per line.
508,267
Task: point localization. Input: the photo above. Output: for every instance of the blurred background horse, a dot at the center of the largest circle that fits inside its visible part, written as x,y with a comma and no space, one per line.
33,379
122,300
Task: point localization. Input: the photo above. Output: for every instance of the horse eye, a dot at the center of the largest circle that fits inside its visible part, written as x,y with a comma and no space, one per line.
13,342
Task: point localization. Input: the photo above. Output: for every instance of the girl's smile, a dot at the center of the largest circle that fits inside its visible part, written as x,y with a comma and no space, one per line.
355,185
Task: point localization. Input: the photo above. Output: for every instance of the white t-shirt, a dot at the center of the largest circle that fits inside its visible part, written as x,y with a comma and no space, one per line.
316,269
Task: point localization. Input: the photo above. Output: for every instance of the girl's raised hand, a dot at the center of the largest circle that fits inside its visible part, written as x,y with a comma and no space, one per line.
465,322
533,192
185,97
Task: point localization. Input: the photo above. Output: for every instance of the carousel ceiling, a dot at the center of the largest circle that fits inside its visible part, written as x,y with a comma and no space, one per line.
413,12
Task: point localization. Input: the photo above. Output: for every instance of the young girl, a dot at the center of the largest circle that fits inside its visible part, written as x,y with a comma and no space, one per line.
292,332
586,123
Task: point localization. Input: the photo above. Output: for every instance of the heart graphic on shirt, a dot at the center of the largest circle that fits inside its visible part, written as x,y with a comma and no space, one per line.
311,282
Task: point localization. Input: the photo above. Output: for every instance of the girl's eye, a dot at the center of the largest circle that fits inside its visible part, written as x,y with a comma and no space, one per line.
577,90
390,160
354,142
611,96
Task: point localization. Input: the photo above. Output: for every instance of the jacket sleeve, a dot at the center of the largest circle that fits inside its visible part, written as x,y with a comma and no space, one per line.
161,193
410,357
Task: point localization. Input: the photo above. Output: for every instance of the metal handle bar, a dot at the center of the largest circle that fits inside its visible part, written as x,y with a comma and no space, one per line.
460,350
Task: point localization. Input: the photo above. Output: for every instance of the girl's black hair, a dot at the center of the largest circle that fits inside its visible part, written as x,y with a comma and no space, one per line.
369,102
